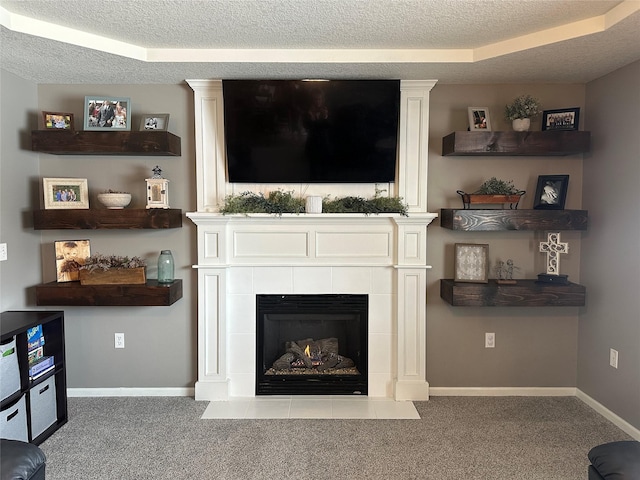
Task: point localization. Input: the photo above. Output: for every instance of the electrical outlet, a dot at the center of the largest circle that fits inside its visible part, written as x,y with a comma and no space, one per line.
489,340
119,340
613,358
3,252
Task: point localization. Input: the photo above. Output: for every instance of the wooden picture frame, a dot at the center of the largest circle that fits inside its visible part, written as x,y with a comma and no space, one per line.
479,119
70,256
57,121
561,119
551,192
155,121
472,262
65,193
107,113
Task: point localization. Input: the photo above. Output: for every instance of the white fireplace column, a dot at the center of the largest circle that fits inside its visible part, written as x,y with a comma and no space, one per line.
332,253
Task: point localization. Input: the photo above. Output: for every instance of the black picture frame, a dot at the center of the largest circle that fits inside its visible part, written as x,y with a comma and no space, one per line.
551,192
561,119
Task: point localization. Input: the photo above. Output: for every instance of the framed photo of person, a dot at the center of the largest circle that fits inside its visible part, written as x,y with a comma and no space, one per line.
479,120
65,193
70,256
551,192
155,121
57,120
562,119
472,262
102,113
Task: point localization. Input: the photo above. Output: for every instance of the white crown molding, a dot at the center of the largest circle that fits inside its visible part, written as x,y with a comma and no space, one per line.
590,26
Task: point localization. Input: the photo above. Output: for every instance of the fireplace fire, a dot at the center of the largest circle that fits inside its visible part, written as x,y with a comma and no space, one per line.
289,358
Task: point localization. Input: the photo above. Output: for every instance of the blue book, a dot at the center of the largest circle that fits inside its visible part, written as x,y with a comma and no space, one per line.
35,338
44,365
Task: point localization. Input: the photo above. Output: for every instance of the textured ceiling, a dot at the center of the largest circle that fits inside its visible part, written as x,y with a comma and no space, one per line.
453,41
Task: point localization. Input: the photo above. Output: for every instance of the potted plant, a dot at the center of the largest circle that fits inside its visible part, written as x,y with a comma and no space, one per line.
493,191
101,269
521,111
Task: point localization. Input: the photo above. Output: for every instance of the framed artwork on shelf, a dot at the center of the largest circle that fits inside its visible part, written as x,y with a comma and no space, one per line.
472,262
479,119
65,193
551,192
561,119
70,256
101,113
155,121
57,120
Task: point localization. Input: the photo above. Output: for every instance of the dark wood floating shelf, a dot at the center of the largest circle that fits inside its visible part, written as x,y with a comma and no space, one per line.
94,219
471,220
553,142
72,293
90,142
525,293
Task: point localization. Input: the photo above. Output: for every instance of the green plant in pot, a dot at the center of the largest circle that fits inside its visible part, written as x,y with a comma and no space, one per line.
493,191
521,111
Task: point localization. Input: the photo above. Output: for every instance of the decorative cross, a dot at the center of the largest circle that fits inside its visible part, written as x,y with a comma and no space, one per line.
553,247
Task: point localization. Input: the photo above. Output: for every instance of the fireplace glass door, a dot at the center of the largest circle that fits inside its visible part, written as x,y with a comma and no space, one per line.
311,344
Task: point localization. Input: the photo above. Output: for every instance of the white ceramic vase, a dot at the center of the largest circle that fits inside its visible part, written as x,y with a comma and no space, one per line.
521,124
313,204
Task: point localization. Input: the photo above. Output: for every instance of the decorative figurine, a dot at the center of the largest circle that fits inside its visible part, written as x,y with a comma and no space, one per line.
504,272
157,190
553,247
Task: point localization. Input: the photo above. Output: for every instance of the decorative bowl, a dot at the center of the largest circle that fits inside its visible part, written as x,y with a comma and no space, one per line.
114,200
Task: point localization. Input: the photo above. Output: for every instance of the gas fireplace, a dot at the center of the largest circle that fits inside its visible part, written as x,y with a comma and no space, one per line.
311,344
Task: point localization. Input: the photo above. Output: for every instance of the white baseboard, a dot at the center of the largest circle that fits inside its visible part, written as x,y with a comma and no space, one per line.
502,391
131,392
609,415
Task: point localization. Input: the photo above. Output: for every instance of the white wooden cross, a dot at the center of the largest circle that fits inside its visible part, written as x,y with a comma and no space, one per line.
553,247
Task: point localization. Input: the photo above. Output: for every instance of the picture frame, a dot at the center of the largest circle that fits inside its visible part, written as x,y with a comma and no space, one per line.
561,119
58,121
104,113
551,192
70,256
479,119
472,262
155,121
65,193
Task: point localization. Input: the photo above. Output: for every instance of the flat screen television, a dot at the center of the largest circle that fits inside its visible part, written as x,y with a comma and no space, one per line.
295,131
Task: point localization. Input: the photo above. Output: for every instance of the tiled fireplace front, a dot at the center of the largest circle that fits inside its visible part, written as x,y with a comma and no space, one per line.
382,257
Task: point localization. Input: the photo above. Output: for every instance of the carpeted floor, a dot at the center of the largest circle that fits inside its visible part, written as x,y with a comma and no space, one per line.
515,438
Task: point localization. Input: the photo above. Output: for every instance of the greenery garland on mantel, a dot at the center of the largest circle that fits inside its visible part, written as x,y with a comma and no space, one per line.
279,202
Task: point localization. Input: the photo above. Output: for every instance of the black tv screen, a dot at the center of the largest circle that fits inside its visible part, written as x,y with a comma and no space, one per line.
295,131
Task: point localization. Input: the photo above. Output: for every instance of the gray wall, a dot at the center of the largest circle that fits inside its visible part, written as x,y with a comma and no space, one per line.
610,258
160,342
19,167
535,347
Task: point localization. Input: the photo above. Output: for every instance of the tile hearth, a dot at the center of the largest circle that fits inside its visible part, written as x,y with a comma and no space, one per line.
311,407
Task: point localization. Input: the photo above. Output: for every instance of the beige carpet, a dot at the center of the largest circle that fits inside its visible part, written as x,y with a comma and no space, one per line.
455,438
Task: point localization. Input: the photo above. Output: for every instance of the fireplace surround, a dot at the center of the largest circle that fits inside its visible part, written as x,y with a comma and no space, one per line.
381,256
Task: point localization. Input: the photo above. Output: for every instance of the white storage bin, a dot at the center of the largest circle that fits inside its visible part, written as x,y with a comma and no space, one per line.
9,370
13,421
42,400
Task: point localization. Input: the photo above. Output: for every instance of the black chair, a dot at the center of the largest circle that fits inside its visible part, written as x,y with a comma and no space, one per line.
619,460
21,461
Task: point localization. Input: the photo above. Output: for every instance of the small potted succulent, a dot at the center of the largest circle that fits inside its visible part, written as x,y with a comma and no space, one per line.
521,111
101,269
493,191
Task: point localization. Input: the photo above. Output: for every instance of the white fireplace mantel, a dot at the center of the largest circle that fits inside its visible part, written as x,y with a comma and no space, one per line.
241,256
